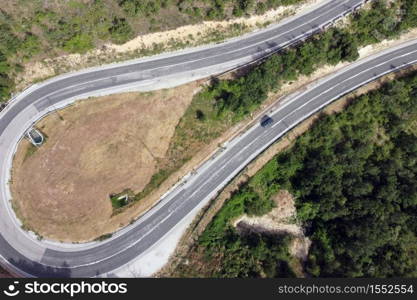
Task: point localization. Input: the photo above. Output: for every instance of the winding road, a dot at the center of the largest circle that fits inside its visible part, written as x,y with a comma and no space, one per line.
27,256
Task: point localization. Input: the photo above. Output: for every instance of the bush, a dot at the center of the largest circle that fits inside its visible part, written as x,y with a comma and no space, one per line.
79,44
244,95
120,30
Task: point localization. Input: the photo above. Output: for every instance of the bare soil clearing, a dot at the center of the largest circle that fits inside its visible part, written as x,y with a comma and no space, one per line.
280,220
94,148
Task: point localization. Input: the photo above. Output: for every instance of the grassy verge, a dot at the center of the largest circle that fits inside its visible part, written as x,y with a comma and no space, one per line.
120,200
198,127
104,237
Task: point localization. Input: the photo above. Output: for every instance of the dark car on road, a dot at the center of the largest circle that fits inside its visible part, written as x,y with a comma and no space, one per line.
266,121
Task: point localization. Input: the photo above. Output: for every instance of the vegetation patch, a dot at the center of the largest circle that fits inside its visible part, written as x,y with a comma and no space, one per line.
30,150
121,199
104,237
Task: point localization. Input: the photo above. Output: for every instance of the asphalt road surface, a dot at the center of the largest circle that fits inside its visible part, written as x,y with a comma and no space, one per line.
35,258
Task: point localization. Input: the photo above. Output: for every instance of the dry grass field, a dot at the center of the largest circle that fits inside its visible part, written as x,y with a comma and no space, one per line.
94,148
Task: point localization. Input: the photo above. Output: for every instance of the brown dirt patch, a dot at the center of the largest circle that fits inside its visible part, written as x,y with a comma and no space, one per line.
94,148
280,220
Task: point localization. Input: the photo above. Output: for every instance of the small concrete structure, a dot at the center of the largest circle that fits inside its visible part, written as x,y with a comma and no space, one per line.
35,137
124,198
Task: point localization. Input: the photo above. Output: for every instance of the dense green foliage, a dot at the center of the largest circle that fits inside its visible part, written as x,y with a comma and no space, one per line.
409,11
381,22
242,96
374,25
250,254
225,102
141,7
357,178
356,184
5,82
354,175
